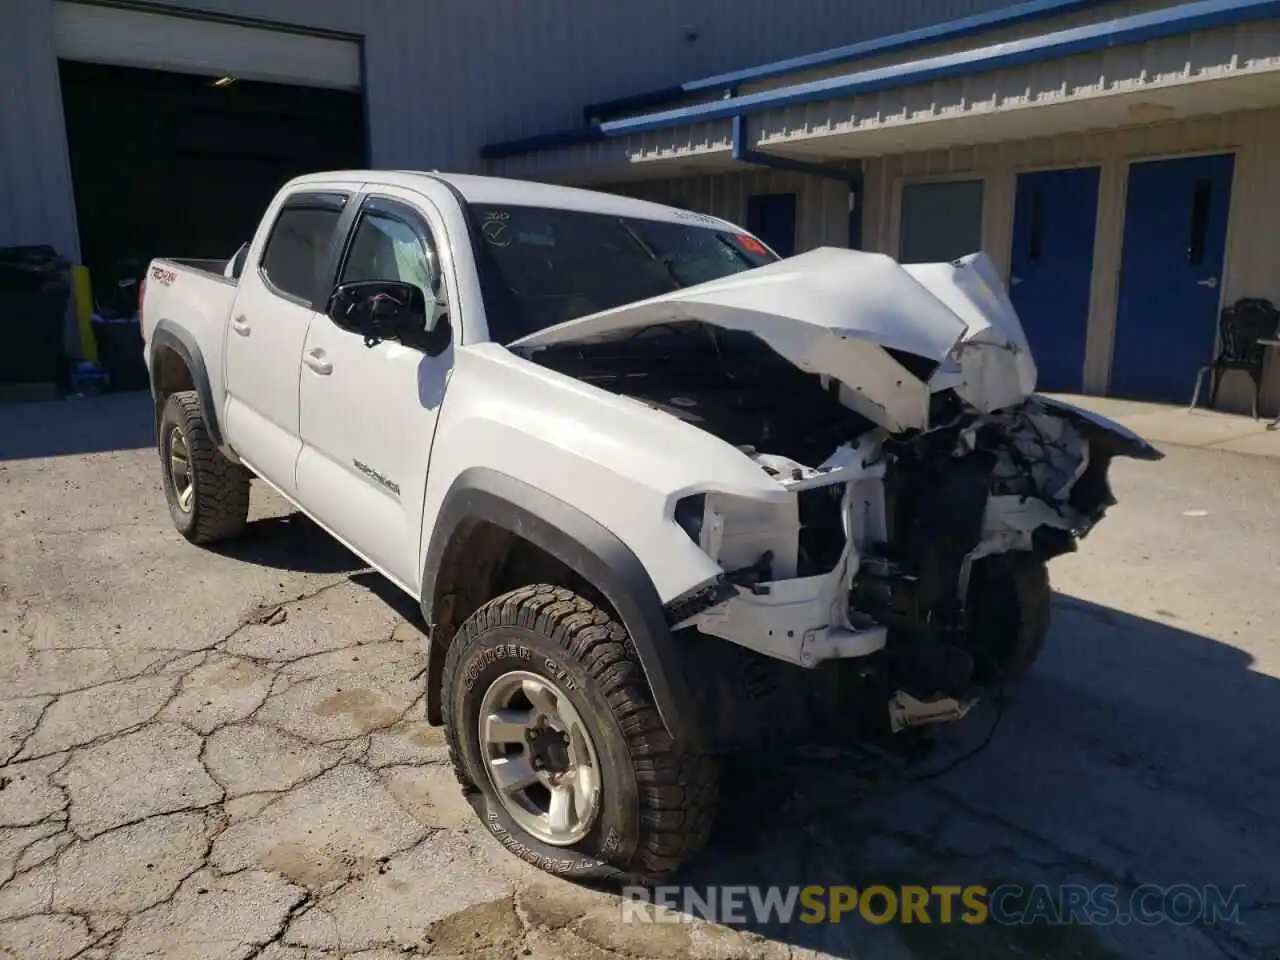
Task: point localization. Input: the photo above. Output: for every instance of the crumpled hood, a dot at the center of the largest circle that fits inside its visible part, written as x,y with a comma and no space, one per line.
840,313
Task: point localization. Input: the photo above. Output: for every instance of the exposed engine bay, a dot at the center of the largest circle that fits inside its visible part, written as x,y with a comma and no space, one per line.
905,552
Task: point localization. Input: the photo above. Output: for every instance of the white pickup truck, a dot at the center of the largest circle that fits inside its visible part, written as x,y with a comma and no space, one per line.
660,494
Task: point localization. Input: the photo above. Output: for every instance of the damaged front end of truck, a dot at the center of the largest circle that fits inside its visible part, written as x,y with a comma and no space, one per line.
929,484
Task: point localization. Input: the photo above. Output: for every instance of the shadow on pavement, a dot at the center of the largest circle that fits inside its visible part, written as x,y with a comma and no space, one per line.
295,542
1135,752
290,542
59,428
392,596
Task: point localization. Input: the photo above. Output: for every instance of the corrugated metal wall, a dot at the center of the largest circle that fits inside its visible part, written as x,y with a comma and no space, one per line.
1034,28
537,76
36,204
446,76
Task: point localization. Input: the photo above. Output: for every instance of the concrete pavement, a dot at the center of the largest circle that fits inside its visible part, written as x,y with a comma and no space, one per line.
1161,423
219,755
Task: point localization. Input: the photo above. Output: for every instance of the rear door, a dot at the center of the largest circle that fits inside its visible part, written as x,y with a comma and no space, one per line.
368,414
285,280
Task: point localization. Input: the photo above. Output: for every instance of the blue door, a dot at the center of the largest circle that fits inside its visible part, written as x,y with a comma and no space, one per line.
772,218
1051,264
1175,235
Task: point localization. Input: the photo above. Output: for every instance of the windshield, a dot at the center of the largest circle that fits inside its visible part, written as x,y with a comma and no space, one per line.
541,266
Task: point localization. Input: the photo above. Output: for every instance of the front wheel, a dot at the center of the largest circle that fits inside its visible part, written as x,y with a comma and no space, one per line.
1009,601
556,742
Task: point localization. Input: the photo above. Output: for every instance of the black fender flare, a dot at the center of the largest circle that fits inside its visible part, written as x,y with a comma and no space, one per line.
586,547
168,335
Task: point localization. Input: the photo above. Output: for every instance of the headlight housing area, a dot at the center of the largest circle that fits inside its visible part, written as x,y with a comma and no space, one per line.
689,515
736,532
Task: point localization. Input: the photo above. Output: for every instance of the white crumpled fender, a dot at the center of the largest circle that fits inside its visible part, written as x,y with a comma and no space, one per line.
838,313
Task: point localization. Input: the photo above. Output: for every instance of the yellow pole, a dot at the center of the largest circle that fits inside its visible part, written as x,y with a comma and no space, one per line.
83,292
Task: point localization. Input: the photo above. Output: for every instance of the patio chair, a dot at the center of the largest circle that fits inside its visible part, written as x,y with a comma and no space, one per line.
1244,323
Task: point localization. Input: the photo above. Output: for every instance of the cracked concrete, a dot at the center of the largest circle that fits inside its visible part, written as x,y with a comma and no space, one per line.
164,774
221,755
97,713
219,692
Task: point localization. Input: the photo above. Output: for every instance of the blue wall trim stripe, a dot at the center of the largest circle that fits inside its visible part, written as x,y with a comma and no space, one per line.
1139,28
878,46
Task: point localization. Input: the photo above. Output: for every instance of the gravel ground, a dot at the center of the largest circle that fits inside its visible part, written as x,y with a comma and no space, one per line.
221,754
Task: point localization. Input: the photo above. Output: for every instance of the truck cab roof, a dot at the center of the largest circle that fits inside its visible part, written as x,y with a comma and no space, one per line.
499,190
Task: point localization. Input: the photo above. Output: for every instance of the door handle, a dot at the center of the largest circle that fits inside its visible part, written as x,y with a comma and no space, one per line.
316,361
241,325
1210,283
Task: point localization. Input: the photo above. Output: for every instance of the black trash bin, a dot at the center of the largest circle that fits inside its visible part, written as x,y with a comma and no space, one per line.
35,287
120,353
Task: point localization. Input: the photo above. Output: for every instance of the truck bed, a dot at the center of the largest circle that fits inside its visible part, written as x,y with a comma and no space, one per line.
217,267
193,296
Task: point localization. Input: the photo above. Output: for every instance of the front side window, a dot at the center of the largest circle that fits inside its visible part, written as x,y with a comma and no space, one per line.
387,248
541,266
297,253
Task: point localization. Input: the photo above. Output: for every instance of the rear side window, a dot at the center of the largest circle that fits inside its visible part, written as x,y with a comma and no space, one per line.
296,259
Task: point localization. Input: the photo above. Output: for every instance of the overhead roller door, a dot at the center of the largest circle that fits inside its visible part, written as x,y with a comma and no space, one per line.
156,41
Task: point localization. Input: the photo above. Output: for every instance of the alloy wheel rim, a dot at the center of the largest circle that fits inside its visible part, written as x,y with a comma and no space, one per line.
540,758
180,470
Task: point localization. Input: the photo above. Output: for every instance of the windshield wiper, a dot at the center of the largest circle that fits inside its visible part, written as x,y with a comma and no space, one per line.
668,261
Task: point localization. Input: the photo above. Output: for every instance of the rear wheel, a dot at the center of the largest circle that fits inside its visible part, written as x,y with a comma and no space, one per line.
1009,603
556,742
208,495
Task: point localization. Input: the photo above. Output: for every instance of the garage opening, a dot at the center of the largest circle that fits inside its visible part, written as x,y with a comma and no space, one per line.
180,128
174,164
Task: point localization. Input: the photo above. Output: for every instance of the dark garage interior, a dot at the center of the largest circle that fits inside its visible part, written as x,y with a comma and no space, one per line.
170,164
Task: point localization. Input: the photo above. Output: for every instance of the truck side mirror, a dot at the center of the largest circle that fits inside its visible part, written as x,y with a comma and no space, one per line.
381,310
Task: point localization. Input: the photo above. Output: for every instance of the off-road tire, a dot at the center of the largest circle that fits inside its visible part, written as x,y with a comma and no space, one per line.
658,800
1009,609
220,497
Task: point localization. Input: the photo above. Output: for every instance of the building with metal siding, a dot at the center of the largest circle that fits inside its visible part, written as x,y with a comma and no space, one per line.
450,85
1153,123
441,78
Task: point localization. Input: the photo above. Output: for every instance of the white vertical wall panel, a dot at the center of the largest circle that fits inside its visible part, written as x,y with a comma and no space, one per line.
36,204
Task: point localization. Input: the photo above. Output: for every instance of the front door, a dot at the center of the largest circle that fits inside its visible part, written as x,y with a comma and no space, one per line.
1051,266
368,414
772,218
285,277
1175,237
